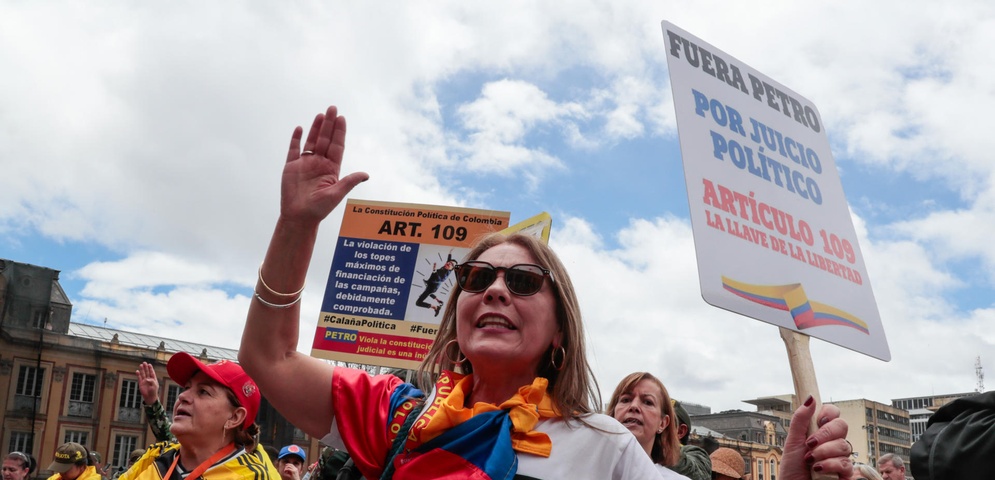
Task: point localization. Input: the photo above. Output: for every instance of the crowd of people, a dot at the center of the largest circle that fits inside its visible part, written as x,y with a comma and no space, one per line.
506,390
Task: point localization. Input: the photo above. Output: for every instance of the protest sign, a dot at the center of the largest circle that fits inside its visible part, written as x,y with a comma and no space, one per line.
772,230
390,279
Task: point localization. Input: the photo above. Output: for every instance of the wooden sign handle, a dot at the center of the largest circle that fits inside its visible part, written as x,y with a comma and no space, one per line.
803,376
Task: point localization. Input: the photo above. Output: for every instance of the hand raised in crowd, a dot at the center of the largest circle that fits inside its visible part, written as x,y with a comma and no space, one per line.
824,452
148,384
311,187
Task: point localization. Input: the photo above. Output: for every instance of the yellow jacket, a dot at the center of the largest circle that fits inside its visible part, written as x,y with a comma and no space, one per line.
254,465
89,474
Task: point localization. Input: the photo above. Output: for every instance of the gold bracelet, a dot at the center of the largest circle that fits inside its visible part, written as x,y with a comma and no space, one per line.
276,305
274,292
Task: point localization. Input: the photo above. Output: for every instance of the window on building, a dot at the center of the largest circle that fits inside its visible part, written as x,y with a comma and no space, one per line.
38,317
22,442
172,392
29,381
79,436
760,469
27,393
123,445
81,394
130,404
773,469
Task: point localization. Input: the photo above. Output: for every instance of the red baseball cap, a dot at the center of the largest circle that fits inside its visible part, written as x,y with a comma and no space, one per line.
182,366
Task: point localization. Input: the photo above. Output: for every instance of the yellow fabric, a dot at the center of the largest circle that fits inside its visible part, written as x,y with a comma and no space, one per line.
249,466
89,474
525,409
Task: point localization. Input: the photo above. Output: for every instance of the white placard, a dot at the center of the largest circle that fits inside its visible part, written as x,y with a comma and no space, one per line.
772,231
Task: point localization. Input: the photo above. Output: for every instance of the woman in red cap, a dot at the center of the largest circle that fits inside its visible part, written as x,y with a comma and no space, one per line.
214,425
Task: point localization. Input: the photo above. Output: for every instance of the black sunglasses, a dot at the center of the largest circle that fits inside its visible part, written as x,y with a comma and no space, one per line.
523,279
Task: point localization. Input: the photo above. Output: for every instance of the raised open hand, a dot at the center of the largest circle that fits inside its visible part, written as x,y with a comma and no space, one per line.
148,384
311,187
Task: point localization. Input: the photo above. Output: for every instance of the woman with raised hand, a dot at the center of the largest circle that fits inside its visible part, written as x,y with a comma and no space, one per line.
642,404
214,426
155,413
507,383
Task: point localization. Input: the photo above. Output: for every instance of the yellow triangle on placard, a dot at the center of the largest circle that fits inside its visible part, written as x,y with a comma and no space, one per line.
537,226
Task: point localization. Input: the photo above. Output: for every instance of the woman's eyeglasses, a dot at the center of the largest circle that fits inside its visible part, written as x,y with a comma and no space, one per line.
523,279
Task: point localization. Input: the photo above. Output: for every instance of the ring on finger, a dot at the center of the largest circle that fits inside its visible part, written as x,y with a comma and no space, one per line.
307,152
850,445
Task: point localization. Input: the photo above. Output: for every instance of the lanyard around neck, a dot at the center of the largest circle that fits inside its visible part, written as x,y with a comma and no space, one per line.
197,472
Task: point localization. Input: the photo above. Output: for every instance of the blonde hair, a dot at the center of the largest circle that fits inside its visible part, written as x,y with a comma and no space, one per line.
866,471
572,386
666,449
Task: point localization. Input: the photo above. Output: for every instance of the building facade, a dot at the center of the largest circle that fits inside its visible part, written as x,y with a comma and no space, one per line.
757,436
921,408
780,406
754,427
62,381
876,429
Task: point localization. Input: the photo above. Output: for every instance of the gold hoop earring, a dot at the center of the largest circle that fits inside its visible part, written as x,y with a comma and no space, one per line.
449,357
563,357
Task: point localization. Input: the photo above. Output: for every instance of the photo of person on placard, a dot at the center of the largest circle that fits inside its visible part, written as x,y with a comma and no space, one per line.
437,277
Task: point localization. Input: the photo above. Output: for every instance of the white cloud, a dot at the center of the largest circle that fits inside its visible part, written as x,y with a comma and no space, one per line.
497,123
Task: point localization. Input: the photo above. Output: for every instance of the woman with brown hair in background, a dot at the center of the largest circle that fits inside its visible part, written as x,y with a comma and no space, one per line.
643,405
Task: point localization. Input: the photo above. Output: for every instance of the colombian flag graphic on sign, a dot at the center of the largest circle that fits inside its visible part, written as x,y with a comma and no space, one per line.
791,298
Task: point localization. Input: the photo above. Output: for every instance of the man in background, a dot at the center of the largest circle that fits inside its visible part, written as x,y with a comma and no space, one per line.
694,462
891,467
72,463
98,464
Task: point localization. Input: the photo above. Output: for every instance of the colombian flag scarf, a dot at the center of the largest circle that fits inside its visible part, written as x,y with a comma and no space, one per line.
479,441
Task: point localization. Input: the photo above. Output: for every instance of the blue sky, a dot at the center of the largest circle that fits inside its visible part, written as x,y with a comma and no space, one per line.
141,147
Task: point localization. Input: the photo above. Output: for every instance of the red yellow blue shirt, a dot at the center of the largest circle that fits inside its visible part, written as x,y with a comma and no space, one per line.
521,438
